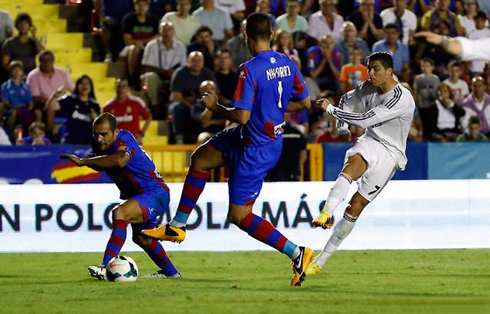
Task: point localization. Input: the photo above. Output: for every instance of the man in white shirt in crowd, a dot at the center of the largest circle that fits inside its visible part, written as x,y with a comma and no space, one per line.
162,56
402,17
185,25
326,21
458,86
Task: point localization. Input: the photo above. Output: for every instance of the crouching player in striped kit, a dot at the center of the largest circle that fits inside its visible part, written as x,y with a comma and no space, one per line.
268,85
142,187
385,109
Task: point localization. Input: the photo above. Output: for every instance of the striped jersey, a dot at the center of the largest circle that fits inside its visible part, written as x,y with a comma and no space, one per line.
266,85
387,117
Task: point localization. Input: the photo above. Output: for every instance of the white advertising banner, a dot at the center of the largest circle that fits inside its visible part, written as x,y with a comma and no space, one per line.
406,215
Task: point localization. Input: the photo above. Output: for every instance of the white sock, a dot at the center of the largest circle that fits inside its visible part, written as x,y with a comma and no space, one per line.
176,224
337,193
296,253
340,232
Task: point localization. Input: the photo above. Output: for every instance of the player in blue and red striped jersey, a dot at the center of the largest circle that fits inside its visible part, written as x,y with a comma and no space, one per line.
142,187
269,85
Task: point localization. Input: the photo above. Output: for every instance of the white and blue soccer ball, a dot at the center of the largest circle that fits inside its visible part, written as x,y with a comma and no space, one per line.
122,269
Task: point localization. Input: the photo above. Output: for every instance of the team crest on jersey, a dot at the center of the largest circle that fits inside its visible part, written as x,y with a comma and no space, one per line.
242,74
128,109
273,60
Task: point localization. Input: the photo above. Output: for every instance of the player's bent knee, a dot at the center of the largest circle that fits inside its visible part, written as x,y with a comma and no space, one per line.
142,241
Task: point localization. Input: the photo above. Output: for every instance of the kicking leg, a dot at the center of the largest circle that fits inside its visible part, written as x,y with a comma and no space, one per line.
354,168
127,212
205,158
265,232
156,252
340,232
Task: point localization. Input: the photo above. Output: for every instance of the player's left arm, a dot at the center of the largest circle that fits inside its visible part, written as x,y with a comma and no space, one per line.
210,101
369,118
116,160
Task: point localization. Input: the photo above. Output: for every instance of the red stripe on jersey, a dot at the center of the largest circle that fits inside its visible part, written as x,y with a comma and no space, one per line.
241,83
298,86
269,130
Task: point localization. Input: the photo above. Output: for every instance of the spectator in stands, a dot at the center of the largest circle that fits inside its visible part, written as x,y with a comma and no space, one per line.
291,21
324,64
22,47
264,7
162,56
445,116
397,49
326,21
79,109
425,86
17,98
478,104
215,18
225,77
128,110
203,42
416,133
139,28
238,47
37,135
354,73
293,155
6,26
419,7
331,134
283,43
468,19
45,80
474,132
405,19
440,12
458,86
349,39
185,92
185,25
210,122
313,89
235,8
111,14
368,22
477,66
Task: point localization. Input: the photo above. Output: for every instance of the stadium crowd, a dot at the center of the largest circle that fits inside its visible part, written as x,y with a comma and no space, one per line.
177,50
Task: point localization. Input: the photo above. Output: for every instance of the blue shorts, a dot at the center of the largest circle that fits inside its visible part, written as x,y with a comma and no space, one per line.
153,205
248,165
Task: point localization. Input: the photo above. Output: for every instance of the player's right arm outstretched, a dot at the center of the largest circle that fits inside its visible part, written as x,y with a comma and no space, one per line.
100,163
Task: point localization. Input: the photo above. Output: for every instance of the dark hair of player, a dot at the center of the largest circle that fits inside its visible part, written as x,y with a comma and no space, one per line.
258,27
21,17
106,117
383,57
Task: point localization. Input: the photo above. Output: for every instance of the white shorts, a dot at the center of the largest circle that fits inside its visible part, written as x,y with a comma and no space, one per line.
381,166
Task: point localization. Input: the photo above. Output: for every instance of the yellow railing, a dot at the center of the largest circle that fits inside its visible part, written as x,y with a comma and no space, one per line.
173,162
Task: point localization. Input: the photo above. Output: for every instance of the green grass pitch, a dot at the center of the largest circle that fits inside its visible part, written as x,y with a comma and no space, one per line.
418,281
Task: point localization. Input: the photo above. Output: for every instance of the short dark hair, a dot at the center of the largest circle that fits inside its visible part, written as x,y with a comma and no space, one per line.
106,117
474,120
202,29
480,15
79,81
454,63
392,26
258,27
428,60
21,17
356,48
15,64
45,52
383,57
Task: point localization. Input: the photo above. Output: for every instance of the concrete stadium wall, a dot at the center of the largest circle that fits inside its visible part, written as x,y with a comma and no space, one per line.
407,215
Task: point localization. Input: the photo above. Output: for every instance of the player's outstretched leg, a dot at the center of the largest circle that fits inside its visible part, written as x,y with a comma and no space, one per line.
123,214
340,232
354,168
205,158
157,253
265,232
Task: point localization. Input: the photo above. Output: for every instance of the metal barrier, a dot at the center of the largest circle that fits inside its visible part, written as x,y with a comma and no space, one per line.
173,162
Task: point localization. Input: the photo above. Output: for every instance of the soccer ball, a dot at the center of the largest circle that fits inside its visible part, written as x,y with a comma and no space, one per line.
122,269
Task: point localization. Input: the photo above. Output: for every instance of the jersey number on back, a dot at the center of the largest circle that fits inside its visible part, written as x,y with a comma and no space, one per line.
279,90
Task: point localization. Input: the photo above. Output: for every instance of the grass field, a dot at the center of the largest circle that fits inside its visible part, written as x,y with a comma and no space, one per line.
429,281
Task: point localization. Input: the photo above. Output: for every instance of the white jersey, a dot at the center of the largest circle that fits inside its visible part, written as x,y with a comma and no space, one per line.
387,117
476,49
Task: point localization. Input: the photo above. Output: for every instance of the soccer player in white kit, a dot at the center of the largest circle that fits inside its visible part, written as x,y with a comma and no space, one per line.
385,109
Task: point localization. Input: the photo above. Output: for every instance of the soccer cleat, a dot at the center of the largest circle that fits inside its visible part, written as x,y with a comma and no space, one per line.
300,264
161,274
313,268
97,272
323,220
166,233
